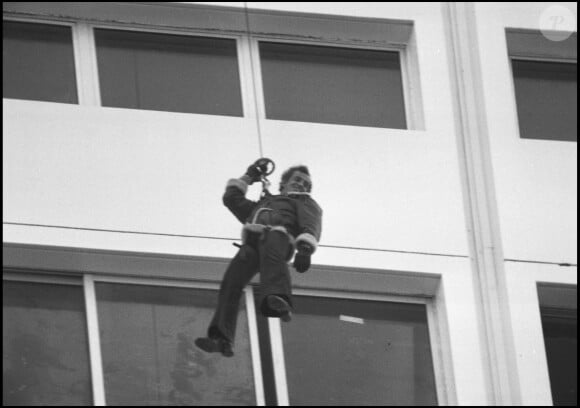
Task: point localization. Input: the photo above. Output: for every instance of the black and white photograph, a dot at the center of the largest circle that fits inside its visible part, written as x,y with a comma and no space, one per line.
289,204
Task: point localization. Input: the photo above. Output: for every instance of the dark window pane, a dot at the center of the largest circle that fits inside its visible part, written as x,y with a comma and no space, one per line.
560,337
332,85
45,350
354,352
168,72
149,357
38,62
546,97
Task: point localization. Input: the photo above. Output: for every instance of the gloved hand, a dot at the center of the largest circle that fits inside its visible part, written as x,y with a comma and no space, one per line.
256,170
302,257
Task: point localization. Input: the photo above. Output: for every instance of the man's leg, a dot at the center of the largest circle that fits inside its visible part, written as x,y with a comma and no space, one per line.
222,329
274,275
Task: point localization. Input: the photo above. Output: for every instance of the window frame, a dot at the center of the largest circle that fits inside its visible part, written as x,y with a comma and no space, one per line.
523,280
88,281
26,276
519,50
82,96
251,90
513,89
136,28
559,298
435,338
408,81
86,63
156,268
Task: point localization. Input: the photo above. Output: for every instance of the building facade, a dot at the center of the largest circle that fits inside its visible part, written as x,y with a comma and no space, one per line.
441,139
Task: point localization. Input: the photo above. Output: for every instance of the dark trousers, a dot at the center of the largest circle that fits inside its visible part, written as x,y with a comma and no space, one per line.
267,252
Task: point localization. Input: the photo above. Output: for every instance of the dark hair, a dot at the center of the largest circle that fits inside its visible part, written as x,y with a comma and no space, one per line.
288,173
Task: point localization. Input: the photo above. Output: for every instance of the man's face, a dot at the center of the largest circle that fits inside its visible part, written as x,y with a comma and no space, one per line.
297,183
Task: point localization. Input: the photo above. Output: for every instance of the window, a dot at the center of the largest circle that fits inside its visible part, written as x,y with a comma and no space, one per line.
358,352
149,357
558,308
546,98
545,84
38,62
45,349
336,85
172,73
147,325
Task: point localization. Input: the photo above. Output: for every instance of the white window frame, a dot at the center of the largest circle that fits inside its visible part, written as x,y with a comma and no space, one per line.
522,280
86,64
87,77
408,80
246,97
513,87
81,73
521,51
252,324
435,338
367,284
95,357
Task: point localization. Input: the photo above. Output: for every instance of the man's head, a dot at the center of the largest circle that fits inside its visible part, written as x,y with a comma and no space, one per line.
296,180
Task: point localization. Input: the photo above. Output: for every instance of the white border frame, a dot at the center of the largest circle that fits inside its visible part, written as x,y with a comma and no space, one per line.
435,338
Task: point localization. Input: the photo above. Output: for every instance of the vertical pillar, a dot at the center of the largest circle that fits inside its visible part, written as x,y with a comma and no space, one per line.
481,207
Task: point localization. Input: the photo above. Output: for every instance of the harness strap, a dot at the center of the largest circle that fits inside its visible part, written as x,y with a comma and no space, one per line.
262,230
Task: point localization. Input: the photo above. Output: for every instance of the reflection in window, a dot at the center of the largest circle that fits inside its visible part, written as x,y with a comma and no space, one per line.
38,62
149,357
168,72
45,351
354,352
546,97
332,85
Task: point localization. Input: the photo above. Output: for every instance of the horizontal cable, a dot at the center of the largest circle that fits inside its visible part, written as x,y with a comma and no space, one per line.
224,239
541,262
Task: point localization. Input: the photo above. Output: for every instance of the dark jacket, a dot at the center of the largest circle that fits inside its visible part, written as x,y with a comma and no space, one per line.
300,215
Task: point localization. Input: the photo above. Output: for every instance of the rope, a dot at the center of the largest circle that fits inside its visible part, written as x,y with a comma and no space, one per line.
249,33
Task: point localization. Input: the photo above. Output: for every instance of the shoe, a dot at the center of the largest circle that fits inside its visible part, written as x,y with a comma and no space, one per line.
280,305
215,345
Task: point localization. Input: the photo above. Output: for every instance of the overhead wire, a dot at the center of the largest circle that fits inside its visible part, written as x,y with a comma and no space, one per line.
565,264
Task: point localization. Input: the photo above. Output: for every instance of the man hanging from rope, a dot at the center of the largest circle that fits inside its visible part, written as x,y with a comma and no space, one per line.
274,229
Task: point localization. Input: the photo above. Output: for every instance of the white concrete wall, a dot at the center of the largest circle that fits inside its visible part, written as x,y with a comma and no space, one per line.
535,180
121,169
159,172
165,172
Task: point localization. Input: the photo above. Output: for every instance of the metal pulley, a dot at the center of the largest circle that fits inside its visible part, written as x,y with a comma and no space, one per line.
266,167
